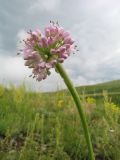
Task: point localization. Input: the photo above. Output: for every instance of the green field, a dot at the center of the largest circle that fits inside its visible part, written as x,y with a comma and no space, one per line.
46,126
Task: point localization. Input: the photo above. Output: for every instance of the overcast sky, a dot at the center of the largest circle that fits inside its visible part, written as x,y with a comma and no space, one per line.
94,24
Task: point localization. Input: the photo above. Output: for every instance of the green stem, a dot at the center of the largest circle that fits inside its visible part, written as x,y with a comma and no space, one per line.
76,98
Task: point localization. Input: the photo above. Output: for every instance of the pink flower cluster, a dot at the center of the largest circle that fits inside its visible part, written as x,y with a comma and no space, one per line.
42,52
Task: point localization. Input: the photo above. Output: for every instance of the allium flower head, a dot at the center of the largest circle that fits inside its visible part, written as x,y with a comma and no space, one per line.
43,51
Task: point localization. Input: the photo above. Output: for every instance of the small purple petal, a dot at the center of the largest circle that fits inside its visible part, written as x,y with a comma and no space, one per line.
64,56
44,42
50,41
62,49
68,40
48,65
42,65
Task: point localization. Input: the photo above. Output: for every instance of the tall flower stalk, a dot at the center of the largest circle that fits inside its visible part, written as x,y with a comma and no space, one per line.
76,99
45,51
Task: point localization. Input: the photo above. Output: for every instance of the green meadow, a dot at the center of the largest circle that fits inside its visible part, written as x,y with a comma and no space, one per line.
46,126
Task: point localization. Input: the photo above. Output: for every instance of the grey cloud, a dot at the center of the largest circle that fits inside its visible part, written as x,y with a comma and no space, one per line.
93,24
15,16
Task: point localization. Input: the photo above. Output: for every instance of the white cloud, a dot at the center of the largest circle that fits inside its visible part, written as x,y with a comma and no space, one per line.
45,5
21,34
13,70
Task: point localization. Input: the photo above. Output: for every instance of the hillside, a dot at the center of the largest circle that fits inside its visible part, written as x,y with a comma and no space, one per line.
111,86
96,91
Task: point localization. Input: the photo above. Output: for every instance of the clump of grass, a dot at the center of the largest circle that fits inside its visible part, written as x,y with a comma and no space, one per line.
45,126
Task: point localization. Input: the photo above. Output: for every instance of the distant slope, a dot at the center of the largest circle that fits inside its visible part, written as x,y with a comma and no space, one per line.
111,86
